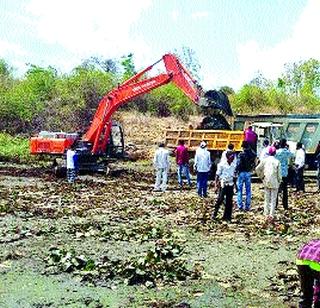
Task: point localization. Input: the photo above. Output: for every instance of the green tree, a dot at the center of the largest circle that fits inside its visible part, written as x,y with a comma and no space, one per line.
227,90
260,81
106,65
128,66
169,100
78,96
302,77
26,97
250,99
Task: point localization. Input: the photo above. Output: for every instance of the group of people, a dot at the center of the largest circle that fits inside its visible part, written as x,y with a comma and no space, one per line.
234,172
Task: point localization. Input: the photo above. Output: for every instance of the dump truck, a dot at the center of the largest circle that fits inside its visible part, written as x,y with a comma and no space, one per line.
295,128
217,140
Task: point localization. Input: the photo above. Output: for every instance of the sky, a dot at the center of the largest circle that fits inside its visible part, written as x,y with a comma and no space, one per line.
232,39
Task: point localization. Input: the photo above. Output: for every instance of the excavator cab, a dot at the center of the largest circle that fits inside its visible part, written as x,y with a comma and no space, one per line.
88,162
115,148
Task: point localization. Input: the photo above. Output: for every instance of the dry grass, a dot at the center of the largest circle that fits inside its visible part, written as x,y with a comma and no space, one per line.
146,131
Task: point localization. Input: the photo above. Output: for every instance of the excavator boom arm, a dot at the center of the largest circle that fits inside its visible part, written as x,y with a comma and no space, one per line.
99,131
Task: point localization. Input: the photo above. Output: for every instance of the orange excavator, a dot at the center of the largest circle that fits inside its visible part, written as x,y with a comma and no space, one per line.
104,138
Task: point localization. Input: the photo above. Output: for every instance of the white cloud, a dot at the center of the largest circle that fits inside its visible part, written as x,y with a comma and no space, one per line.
209,80
174,15
199,15
7,48
86,28
301,45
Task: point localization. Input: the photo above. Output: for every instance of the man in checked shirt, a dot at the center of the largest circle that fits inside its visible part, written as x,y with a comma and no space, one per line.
308,262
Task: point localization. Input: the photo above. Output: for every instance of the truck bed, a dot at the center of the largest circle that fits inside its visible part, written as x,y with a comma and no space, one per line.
216,139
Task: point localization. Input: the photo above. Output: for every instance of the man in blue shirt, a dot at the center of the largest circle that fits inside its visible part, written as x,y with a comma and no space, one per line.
284,155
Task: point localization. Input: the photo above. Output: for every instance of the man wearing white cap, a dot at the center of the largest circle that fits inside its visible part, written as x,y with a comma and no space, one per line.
202,164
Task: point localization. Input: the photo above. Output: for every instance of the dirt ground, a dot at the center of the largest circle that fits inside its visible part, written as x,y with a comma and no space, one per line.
89,244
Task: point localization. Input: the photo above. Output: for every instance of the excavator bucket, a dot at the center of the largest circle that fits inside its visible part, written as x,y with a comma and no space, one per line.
214,101
214,122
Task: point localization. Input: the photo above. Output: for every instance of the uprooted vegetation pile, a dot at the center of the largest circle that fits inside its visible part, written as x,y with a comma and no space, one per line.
162,263
115,230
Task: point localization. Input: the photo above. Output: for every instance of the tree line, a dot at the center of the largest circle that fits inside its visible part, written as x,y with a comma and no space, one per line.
43,99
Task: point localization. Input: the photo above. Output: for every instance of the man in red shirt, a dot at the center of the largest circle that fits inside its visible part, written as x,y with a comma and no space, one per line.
182,159
251,137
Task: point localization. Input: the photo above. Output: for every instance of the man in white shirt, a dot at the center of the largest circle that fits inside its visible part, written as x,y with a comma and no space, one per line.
161,164
202,164
71,170
225,179
269,170
230,148
299,163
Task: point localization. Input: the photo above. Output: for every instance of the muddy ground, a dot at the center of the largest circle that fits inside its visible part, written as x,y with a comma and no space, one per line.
89,244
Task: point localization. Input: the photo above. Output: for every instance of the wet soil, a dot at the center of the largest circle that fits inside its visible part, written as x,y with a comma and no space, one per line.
246,263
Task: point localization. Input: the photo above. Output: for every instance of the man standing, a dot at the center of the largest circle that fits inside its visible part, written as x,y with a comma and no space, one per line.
265,150
230,148
202,164
251,137
245,164
225,179
71,169
269,170
161,163
182,159
284,155
299,163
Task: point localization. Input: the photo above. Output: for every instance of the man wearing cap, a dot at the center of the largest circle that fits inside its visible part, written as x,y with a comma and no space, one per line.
265,150
269,170
202,164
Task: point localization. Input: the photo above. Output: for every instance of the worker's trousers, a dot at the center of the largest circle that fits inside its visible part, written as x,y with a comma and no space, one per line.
244,178
71,175
270,200
310,291
183,169
202,183
227,193
284,189
299,181
161,179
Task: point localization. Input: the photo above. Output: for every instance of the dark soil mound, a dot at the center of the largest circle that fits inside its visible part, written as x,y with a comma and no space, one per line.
216,101
215,121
